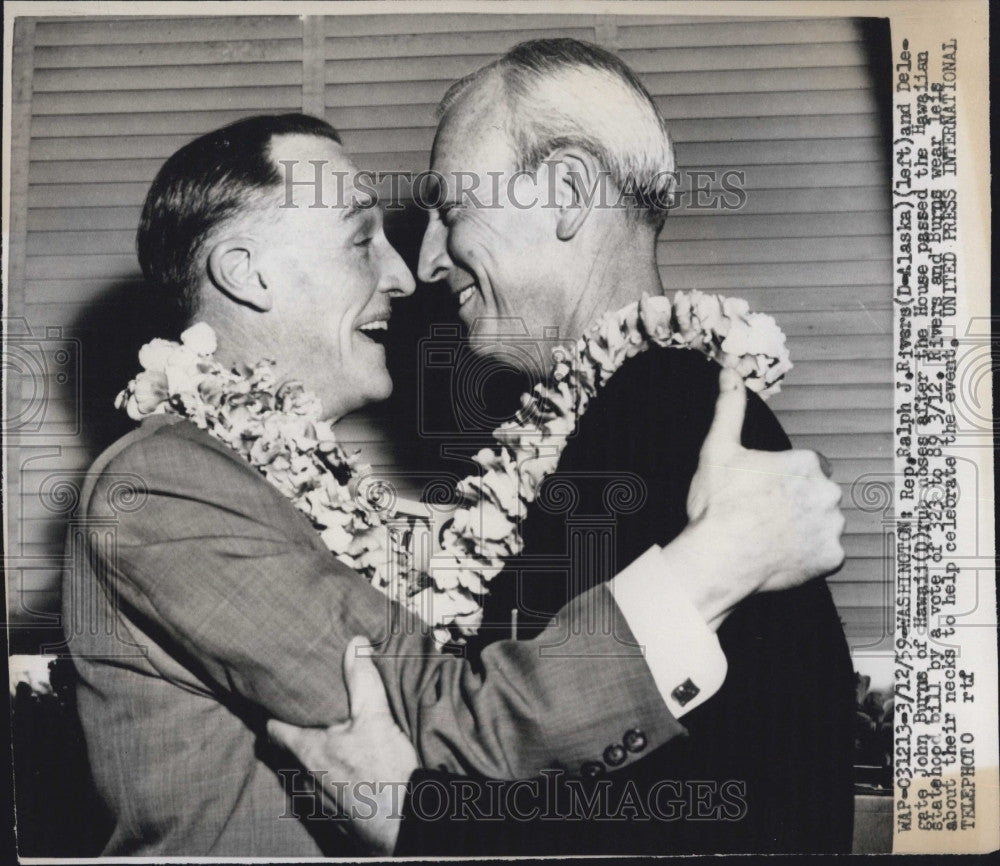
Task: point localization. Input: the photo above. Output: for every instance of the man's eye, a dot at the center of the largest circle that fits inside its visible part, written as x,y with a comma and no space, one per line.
364,242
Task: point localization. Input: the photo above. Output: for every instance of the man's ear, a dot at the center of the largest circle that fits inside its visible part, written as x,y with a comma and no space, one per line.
574,178
233,267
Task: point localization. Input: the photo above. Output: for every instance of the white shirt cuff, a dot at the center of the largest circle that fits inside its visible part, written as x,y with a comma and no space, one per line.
682,652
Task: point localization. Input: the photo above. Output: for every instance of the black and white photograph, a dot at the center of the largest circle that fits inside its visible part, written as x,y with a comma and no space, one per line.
498,430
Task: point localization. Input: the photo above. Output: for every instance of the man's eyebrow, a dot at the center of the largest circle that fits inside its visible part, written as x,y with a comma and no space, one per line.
359,207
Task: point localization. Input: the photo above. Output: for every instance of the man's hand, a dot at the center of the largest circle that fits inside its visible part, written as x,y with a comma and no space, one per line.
363,763
760,520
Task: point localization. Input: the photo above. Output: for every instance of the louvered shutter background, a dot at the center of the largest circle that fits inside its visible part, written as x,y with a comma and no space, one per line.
100,104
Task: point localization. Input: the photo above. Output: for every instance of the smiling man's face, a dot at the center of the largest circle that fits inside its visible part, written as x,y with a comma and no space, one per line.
331,272
498,256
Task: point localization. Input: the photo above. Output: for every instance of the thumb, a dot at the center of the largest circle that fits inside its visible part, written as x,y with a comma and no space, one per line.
365,691
291,737
727,425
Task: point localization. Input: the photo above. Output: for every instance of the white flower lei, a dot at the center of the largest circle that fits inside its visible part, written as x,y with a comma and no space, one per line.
279,429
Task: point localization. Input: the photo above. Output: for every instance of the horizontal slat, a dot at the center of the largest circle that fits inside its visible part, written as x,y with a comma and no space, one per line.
88,195
808,125
351,26
251,99
796,298
809,373
861,579
720,105
84,267
834,396
738,225
81,243
826,200
836,322
428,45
738,57
71,218
75,293
167,54
132,30
867,627
747,32
93,171
730,80
861,522
814,249
871,546
865,594
137,122
789,152
129,78
813,421
844,445
445,68
725,278
847,470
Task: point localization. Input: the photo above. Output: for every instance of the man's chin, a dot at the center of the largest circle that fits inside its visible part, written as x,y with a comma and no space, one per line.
368,392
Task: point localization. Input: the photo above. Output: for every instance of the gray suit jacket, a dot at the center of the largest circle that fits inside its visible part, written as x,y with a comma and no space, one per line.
198,602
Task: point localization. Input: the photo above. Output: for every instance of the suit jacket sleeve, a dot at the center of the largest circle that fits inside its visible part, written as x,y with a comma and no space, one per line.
668,397
237,583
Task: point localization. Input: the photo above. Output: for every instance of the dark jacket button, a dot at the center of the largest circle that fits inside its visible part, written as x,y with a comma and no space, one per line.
635,740
614,755
592,769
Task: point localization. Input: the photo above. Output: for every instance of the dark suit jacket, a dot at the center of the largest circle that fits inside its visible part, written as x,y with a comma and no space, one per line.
198,602
781,726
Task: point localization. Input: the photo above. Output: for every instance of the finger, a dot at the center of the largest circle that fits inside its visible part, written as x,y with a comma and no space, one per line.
730,409
291,737
365,692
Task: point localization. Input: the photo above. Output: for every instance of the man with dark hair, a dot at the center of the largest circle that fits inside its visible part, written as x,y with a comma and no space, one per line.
203,185
204,601
574,117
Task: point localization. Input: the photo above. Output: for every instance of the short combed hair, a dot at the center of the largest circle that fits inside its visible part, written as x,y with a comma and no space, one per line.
564,92
205,183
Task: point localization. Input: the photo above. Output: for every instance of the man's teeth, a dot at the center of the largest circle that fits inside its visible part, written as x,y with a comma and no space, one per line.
380,325
465,295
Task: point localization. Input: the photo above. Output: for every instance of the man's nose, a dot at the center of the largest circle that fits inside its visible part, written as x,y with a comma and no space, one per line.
396,277
434,261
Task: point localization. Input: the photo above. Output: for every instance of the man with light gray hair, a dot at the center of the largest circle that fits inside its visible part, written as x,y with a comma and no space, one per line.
562,122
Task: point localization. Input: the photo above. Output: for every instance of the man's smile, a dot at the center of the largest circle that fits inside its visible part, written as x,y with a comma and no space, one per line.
465,295
375,327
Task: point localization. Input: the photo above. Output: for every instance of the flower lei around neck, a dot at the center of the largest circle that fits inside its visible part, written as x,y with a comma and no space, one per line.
278,427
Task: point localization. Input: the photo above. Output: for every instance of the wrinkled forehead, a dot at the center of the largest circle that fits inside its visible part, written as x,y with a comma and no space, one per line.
313,168
473,136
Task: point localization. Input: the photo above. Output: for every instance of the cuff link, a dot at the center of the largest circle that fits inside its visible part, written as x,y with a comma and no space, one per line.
592,769
686,692
635,740
614,755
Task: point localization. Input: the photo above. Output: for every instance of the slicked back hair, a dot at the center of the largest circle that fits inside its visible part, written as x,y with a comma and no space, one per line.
204,184
564,92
